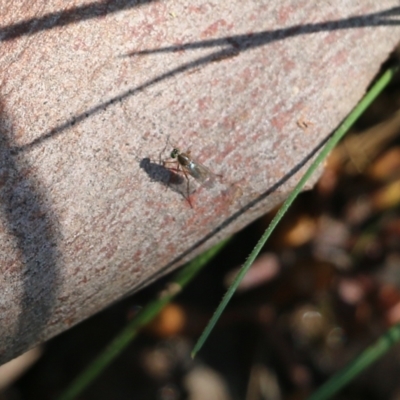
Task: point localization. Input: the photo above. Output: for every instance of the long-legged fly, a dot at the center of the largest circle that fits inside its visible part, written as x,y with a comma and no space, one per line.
185,163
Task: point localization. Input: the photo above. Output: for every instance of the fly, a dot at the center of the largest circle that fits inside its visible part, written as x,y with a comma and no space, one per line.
188,166
196,170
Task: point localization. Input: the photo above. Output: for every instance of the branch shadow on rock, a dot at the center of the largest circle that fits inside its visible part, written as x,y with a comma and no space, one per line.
72,15
232,46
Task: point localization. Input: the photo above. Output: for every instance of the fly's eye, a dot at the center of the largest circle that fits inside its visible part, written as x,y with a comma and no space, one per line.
174,153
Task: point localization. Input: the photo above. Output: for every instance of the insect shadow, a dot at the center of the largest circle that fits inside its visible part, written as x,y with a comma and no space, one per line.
170,178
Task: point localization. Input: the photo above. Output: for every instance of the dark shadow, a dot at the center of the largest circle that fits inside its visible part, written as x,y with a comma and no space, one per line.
231,219
66,17
168,177
159,173
234,45
31,224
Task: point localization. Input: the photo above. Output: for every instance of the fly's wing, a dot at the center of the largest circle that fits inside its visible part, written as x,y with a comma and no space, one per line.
201,173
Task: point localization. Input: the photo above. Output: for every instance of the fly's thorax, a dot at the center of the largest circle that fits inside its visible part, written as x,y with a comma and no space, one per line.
184,160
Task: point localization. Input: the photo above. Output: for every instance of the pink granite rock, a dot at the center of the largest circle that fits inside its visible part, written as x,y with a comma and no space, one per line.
90,95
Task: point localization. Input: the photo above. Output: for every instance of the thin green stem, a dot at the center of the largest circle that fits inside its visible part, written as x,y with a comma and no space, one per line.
339,133
149,312
366,358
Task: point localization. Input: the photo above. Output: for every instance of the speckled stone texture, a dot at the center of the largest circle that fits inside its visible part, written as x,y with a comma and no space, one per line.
94,95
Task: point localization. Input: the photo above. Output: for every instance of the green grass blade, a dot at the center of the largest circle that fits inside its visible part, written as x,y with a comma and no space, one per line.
339,133
366,358
149,312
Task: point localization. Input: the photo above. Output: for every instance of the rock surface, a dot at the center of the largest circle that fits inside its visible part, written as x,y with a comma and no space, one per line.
94,95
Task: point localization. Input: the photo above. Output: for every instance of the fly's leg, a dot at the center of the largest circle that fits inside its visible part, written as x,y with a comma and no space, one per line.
176,169
179,169
187,186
